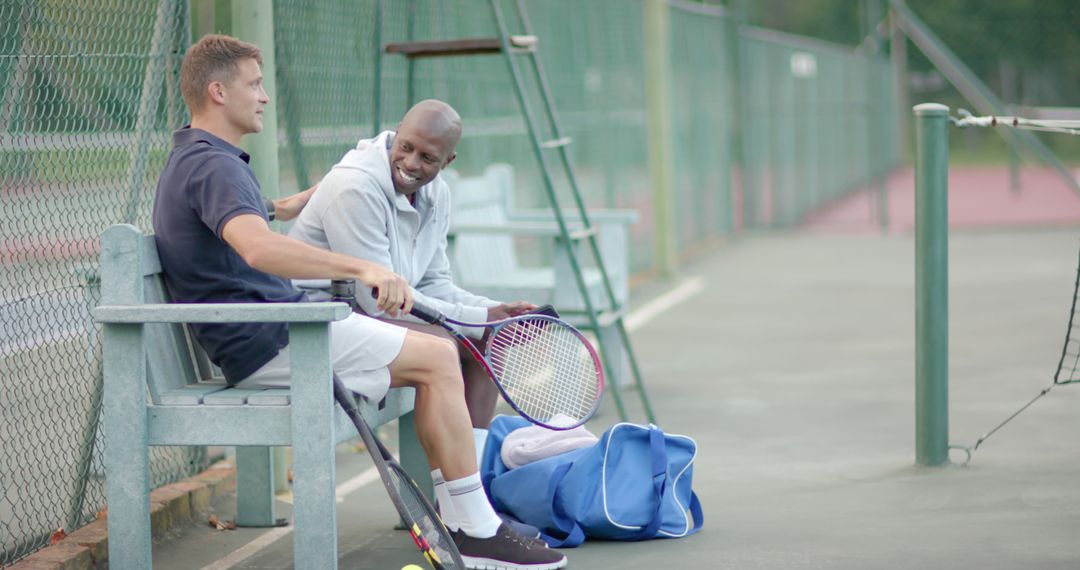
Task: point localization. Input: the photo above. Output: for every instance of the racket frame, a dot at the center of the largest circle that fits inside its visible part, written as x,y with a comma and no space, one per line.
485,358
384,462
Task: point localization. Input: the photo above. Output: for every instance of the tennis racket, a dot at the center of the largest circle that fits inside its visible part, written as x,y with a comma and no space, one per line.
417,514
544,368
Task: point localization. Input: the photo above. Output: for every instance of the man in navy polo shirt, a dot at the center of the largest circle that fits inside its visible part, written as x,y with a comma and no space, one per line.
215,245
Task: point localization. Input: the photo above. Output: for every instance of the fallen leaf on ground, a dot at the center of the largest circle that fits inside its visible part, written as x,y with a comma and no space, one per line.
220,524
57,536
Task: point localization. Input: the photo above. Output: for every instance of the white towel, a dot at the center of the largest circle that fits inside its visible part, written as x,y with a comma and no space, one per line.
533,443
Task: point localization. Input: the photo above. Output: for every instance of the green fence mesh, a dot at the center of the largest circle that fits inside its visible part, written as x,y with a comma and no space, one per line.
90,97
816,126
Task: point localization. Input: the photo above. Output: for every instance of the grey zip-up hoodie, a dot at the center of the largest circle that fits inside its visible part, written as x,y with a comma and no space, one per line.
356,211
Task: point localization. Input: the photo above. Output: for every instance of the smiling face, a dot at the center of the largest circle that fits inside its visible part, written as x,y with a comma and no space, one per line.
424,145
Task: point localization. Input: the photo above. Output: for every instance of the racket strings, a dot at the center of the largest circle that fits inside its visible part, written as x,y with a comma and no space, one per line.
546,368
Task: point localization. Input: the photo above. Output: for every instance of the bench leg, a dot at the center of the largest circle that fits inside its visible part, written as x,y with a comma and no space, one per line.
413,458
127,460
614,353
314,505
255,487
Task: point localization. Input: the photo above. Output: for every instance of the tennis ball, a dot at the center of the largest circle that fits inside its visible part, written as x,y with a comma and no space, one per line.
411,567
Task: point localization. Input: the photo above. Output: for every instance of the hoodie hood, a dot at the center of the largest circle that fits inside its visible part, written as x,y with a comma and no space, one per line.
372,158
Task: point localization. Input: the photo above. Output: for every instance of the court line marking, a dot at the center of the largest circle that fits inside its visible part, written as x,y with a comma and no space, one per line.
264,540
684,291
249,549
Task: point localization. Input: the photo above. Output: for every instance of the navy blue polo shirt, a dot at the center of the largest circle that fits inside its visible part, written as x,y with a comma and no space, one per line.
206,183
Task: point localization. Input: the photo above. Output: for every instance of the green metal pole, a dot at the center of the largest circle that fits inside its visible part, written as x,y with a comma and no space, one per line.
657,84
376,49
875,117
739,82
253,21
931,284
135,179
899,60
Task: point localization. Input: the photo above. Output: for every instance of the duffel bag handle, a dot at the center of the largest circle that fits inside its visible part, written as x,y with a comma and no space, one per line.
575,535
658,455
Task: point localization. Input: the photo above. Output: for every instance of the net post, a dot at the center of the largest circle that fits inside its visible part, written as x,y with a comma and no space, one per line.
931,284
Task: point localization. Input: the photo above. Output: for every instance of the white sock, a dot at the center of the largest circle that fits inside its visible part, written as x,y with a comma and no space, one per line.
479,436
446,506
474,512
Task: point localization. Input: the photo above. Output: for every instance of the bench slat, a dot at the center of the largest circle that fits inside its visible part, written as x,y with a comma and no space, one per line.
272,397
220,425
230,397
191,395
257,425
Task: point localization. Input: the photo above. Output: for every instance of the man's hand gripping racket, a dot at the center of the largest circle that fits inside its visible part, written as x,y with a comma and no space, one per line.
544,368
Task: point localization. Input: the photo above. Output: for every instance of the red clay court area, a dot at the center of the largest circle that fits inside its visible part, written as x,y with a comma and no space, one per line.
979,197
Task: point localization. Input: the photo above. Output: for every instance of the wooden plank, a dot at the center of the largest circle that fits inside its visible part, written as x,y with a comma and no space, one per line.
190,395
272,397
521,229
220,425
222,313
465,46
230,397
253,425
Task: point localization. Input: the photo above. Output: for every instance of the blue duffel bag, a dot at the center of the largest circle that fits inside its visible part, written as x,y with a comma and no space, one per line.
633,484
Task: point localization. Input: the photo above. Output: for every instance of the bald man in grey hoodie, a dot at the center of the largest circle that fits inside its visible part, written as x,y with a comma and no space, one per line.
385,202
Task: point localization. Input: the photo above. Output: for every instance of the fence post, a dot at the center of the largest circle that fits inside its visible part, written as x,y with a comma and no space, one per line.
253,21
657,84
931,284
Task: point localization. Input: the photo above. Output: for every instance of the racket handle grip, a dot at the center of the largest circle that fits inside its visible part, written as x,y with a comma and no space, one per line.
420,311
426,314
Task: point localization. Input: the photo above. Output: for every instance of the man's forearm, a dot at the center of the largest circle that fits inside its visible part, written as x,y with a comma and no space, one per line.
289,207
286,257
283,256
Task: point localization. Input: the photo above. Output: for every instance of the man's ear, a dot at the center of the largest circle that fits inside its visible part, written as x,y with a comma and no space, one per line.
449,159
215,91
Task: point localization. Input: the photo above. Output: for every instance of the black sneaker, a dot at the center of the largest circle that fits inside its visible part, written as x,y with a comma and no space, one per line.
507,550
526,530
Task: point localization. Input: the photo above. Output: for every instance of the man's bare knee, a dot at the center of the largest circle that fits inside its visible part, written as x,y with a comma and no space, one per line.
425,360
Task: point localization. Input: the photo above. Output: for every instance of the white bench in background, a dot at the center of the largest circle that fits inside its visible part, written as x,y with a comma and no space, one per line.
486,232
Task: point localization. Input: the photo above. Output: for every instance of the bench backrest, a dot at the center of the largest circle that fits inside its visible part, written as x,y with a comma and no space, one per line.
132,275
482,200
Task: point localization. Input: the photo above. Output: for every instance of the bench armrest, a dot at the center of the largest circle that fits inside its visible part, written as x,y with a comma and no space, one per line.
540,228
221,313
573,217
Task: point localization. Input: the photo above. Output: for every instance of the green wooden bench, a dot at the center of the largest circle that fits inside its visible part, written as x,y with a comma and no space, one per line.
158,391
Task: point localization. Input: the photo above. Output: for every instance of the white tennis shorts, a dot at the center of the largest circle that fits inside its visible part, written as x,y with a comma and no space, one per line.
361,349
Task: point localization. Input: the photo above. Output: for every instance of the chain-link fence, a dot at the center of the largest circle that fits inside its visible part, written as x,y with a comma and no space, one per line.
90,98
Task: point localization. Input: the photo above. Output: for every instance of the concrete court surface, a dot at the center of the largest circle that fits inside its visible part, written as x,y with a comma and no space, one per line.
794,370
